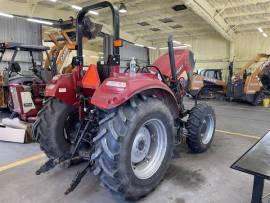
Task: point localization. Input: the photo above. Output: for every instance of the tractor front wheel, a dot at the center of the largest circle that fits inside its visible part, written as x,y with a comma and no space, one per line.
134,147
201,127
55,128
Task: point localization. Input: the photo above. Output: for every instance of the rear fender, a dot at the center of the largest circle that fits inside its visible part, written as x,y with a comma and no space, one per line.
115,91
62,87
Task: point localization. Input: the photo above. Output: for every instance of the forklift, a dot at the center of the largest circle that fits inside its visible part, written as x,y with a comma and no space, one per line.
64,42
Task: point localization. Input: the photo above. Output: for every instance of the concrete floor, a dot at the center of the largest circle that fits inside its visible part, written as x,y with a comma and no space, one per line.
204,178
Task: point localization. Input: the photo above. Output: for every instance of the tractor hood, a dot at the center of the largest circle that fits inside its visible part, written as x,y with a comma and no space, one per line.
184,62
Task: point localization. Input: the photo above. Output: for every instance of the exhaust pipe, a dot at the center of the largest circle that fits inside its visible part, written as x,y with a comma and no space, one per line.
172,59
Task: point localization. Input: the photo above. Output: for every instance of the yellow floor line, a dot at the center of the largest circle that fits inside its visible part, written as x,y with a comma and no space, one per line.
22,161
238,134
42,155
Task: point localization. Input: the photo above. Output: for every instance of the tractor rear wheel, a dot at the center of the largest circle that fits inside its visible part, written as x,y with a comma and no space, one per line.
134,147
55,128
201,126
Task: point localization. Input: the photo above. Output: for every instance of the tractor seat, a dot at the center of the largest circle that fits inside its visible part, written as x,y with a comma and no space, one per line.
15,67
103,71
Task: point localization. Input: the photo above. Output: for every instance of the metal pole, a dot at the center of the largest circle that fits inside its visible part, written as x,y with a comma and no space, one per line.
172,58
257,189
107,47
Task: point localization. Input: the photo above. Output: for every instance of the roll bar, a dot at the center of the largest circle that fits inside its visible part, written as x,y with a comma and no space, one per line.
115,26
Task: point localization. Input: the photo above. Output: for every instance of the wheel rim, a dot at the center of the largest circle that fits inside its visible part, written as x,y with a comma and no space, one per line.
149,148
207,130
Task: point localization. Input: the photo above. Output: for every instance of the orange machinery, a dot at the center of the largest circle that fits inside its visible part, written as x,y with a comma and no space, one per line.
251,85
207,83
63,46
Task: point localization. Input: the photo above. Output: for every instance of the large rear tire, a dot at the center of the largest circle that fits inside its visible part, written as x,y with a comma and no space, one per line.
201,127
54,128
134,147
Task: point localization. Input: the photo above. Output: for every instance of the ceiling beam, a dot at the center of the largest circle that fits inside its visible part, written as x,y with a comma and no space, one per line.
152,17
253,26
164,38
208,13
241,4
49,13
25,9
250,22
155,23
162,41
142,31
190,31
246,13
148,12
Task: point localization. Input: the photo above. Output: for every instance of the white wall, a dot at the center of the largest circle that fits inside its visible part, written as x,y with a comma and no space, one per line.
209,51
214,51
247,45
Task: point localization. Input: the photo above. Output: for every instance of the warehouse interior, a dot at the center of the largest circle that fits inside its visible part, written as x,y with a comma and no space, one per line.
143,101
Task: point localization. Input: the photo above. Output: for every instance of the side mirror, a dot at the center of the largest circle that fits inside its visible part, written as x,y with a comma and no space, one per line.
15,67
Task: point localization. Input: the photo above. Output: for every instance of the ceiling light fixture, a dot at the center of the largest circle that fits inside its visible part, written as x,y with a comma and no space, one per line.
39,21
183,46
187,45
176,42
178,47
6,15
122,8
260,29
94,13
53,0
139,45
264,34
154,48
76,7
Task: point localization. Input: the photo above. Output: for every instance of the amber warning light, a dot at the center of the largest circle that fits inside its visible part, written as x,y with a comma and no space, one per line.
118,43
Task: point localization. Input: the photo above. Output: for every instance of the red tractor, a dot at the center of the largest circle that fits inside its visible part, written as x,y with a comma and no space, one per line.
24,92
125,125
